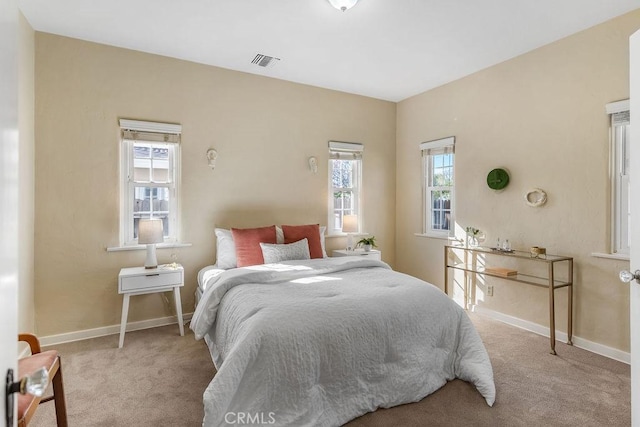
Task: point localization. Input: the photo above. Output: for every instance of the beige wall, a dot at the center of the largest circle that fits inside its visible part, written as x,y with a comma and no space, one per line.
26,102
264,130
541,116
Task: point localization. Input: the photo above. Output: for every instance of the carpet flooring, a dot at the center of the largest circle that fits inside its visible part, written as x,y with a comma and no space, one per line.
158,378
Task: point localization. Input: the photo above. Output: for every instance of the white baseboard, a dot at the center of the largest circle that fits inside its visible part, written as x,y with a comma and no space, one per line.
111,330
603,350
591,346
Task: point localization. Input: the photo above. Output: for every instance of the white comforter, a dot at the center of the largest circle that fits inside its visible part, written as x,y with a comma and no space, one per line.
320,342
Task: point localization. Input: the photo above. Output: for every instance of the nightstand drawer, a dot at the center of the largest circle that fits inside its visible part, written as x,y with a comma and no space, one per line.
149,281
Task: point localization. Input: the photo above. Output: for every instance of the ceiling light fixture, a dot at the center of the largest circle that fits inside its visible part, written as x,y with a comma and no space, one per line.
343,4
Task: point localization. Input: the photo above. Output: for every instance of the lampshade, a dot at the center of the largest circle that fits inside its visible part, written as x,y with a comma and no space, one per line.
150,231
350,223
343,4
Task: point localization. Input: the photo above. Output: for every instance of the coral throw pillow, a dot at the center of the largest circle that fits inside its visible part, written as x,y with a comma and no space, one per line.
247,240
311,232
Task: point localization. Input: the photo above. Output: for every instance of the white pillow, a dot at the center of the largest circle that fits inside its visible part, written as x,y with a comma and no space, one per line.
276,253
225,249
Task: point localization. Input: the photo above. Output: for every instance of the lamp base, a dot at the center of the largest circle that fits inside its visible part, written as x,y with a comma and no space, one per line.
349,241
151,261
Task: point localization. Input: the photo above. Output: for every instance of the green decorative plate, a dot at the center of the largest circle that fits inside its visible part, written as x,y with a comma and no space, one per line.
498,179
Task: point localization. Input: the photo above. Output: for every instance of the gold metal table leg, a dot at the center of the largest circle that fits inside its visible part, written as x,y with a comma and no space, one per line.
446,270
570,305
552,317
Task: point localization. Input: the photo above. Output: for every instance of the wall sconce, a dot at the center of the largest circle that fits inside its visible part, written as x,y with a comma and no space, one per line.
313,164
212,156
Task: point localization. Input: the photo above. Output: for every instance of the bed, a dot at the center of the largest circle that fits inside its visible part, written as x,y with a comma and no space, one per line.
318,342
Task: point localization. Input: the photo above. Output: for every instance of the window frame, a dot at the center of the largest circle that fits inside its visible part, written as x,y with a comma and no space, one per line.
158,135
428,150
345,149
619,177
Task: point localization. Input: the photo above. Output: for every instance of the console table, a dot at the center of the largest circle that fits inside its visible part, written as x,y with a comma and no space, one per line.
466,259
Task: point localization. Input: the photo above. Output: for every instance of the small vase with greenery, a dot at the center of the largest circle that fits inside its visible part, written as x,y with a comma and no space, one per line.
474,236
367,243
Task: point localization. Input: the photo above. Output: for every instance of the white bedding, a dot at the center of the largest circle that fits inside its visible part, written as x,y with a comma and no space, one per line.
323,341
205,275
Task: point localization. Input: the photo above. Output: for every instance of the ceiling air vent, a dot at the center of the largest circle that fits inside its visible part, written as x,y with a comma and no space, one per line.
265,61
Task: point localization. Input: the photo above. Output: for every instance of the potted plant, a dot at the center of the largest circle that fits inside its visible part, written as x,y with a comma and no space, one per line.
367,243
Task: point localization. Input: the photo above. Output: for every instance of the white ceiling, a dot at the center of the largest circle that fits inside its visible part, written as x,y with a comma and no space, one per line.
386,49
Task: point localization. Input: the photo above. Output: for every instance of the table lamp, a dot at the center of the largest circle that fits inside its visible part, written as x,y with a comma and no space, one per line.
349,226
150,233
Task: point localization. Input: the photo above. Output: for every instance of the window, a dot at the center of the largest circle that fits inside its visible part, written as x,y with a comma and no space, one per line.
438,186
620,138
150,178
345,182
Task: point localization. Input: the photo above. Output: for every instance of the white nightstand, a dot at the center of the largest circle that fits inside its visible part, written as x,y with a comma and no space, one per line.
140,280
373,253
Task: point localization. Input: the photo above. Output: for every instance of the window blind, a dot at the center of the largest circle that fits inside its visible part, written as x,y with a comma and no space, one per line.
621,118
345,150
135,130
438,146
438,150
619,112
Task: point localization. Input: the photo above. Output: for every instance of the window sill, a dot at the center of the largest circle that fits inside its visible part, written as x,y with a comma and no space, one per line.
619,257
437,236
330,236
144,247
